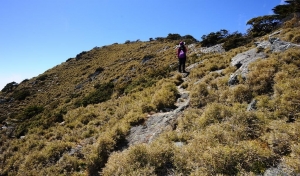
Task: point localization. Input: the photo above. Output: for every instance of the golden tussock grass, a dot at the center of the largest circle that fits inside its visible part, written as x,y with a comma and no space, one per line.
219,136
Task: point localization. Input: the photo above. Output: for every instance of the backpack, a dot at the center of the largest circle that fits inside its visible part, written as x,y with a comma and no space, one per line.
181,53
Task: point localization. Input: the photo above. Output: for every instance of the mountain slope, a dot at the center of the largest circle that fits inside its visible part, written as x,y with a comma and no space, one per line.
75,118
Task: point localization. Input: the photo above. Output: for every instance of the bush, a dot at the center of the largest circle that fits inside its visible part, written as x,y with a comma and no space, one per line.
137,118
214,113
32,111
165,96
141,160
25,80
81,55
68,60
138,84
248,125
106,144
146,80
260,77
199,95
201,157
48,156
287,96
189,39
21,94
241,93
296,39
9,87
280,143
99,69
42,77
262,25
293,161
160,39
214,38
173,37
178,79
103,93
235,40
292,56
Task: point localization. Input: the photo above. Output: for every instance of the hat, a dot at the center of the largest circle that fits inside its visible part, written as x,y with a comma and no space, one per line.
181,43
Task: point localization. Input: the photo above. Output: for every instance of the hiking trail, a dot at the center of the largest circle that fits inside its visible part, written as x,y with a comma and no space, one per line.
159,122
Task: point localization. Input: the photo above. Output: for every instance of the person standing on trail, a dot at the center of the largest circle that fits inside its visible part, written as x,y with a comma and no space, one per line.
181,54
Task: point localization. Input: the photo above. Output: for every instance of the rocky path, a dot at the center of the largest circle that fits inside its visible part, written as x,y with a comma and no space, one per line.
159,122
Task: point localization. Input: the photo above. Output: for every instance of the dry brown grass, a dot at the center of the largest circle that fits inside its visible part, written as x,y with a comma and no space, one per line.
220,137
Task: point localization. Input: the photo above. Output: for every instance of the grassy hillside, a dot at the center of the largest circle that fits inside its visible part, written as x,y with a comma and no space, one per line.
74,118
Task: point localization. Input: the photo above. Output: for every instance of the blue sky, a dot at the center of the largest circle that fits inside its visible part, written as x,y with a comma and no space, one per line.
36,35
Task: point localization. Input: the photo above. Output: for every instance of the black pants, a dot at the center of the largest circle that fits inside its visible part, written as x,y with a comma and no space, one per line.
181,64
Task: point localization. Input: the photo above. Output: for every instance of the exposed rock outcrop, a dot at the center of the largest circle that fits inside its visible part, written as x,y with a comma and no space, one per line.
281,169
213,49
242,60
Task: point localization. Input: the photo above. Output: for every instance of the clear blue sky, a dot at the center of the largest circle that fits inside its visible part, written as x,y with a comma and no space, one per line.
36,35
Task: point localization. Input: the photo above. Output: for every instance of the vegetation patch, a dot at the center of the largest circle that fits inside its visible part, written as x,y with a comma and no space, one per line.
21,94
165,96
43,77
31,111
102,93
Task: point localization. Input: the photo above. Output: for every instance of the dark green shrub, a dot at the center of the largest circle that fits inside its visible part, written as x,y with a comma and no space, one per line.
68,60
146,80
262,25
160,39
173,37
9,87
103,93
235,40
189,39
74,95
21,94
42,77
32,111
25,80
284,10
138,84
80,55
100,69
214,38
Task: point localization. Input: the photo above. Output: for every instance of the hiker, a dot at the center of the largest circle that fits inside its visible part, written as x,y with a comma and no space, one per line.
181,54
